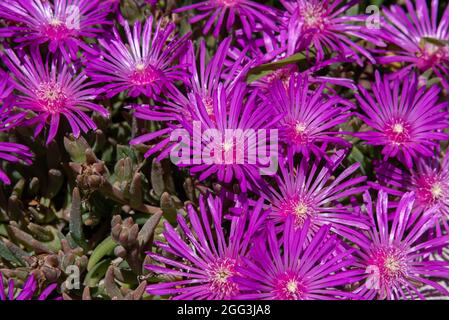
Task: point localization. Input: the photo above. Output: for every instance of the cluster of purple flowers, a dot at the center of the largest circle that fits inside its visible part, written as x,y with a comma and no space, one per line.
309,231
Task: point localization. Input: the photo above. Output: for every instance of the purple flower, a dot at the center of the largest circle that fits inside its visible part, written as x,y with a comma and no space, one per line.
309,115
408,31
290,267
218,110
429,181
51,90
252,15
61,23
143,64
203,257
395,254
311,192
321,24
407,120
27,292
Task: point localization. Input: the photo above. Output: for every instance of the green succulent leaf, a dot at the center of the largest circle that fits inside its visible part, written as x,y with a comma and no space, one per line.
105,248
96,273
5,253
266,69
437,42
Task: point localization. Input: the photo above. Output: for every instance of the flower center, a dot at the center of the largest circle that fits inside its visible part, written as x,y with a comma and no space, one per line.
300,127
398,128
143,74
430,189
219,275
391,263
298,207
51,97
288,287
228,146
301,210
283,74
297,133
56,29
437,190
398,132
432,55
55,22
313,15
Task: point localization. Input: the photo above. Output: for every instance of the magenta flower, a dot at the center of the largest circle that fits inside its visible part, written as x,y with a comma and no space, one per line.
321,24
27,292
61,23
310,192
230,126
395,254
292,268
253,16
51,90
408,30
143,64
309,115
202,258
429,181
407,120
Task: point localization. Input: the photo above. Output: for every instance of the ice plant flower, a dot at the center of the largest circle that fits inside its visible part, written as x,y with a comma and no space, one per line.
407,120
421,40
142,64
252,15
61,23
53,90
203,258
394,253
226,135
429,180
27,292
323,25
309,191
291,267
309,115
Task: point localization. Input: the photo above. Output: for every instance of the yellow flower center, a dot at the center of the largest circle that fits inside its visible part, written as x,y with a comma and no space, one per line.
398,128
292,286
300,127
437,190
